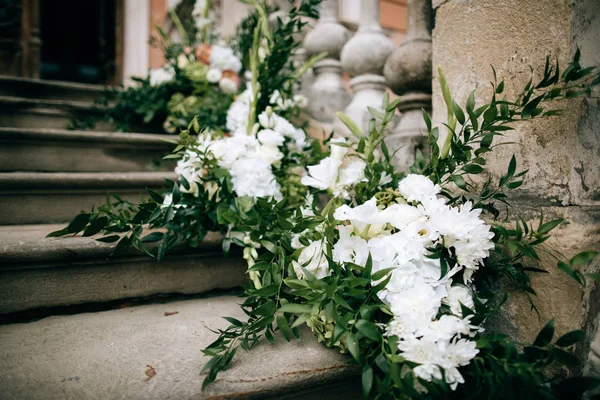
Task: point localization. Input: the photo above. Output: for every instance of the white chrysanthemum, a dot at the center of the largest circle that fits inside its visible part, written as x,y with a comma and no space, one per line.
457,353
464,230
314,258
252,176
350,248
424,352
417,187
223,58
457,295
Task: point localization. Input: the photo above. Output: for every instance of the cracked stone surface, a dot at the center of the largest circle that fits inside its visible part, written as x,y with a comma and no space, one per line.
105,355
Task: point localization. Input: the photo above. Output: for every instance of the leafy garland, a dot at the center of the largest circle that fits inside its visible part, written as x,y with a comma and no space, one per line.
311,269
211,191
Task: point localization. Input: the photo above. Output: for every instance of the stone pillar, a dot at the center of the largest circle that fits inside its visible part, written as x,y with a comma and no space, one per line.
363,58
327,94
408,73
561,153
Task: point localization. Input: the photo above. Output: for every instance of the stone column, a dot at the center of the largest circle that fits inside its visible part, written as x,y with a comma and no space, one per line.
408,73
561,153
363,58
327,94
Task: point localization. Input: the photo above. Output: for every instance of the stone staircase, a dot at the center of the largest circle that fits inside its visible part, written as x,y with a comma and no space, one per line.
76,323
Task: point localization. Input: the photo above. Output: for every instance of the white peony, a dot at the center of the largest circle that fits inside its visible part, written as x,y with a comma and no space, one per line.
314,258
417,187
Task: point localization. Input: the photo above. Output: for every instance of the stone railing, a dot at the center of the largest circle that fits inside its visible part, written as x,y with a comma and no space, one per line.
375,66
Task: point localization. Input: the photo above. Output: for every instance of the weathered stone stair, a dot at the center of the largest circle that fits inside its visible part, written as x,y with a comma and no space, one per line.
47,175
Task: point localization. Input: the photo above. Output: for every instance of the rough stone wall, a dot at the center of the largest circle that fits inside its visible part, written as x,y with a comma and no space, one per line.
561,153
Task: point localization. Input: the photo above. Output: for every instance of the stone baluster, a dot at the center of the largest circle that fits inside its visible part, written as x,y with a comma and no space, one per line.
363,58
327,94
408,73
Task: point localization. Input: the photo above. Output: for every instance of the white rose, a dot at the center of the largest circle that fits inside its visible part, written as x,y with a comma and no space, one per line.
182,61
213,75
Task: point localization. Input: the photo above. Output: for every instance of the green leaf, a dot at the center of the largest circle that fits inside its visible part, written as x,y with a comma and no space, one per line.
58,233
78,223
566,268
266,309
545,336
109,239
295,308
233,321
583,258
458,112
368,330
352,345
284,327
153,237
349,124
367,381
155,196
570,338
473,169
548,226
267,291
459,181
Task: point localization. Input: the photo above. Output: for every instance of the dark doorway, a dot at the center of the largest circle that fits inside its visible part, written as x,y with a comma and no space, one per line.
78,40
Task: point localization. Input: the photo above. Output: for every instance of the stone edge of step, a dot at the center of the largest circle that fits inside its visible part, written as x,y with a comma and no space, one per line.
35,103
24,246
171,344
75,86
88,181
71,137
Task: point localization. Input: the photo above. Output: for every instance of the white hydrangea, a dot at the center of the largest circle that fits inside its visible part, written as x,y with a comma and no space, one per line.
252,176
224,59
161,75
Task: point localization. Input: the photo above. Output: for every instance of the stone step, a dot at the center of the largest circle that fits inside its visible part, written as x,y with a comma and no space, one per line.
105,355
38,272
23,112
59,150
38,197
47,89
